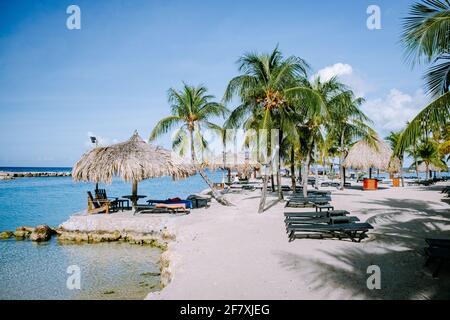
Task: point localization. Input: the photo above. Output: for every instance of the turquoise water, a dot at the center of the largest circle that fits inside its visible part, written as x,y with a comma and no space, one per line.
51,200
108,270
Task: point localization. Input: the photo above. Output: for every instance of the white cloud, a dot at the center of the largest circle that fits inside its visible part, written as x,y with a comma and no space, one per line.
390,113
347,75
337,69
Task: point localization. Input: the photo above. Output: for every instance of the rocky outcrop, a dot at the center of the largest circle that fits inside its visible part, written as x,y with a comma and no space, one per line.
164,267
154,239
41,233
23,232
6,235
6,176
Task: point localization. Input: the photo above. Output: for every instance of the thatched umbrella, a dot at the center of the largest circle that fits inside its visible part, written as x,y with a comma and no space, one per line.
431,167
395,165
365,156
231,161
133,160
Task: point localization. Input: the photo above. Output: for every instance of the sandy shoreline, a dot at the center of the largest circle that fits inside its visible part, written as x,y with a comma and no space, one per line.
235,253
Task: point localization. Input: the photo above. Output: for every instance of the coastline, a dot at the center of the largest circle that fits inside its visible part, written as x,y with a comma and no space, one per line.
235,253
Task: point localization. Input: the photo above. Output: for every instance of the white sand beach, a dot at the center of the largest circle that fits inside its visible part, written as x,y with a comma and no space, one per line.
236,253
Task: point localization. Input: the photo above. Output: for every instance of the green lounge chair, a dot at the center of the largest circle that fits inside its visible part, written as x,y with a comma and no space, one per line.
332,213
356,232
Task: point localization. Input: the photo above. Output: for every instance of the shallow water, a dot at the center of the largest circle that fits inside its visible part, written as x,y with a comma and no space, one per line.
108,270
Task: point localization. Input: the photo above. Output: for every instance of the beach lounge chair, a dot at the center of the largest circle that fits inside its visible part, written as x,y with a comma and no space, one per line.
97,206
298,201
161,208
356,232
439,255
322,220
321,207
439,243
187,203
331,213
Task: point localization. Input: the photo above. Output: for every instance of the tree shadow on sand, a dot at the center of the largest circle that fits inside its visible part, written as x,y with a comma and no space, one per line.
395,245
401,205
402,274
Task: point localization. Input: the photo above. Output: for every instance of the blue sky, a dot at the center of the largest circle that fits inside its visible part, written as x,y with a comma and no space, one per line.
111,77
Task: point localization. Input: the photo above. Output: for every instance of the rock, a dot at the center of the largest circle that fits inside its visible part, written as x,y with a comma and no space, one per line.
41,233
23,232
76,236
105,236
6,176
6,235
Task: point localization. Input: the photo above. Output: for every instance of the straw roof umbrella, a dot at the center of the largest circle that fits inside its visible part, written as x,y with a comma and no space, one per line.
431,167
133,160
231,161
395,165
365,156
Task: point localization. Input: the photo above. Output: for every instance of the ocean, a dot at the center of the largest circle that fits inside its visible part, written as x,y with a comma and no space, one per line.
108,270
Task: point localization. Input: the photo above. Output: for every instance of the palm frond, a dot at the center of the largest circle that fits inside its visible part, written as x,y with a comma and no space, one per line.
433,117
163,126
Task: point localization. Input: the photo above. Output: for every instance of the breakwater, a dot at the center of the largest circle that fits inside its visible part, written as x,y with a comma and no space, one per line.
13,175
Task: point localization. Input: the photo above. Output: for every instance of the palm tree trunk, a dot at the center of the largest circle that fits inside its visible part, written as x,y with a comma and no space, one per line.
280,192
219,198
293,183
401,172
267,167
341,164
262,202
416,162
305,175
300,170
316,169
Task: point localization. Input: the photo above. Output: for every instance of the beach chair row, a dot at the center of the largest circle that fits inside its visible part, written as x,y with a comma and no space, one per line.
330,224
437,252
314,199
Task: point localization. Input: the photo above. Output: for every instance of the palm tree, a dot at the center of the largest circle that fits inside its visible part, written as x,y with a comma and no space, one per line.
426,37
428,153
393,139
347,123
267,88
337,113
192,110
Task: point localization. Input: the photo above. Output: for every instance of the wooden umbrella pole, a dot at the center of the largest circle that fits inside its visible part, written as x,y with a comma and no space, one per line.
134,192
